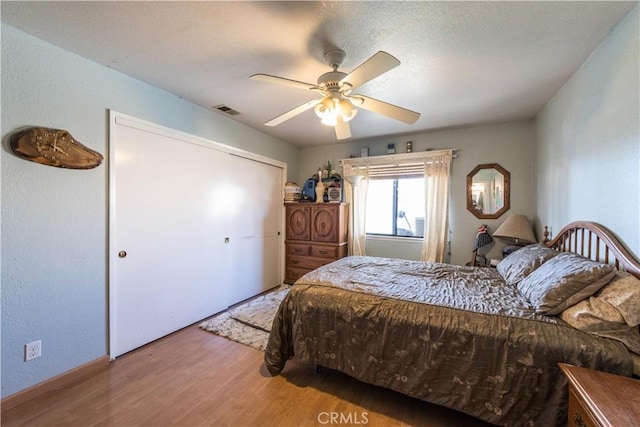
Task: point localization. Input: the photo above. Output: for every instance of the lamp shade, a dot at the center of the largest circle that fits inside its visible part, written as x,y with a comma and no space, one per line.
325,109
517,229
346,109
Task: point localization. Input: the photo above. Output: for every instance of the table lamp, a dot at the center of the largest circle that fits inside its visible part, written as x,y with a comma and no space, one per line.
516,230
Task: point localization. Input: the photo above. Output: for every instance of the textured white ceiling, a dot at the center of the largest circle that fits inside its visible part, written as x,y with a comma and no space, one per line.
463,63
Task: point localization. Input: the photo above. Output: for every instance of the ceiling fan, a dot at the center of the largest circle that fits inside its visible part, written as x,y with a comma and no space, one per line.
339,106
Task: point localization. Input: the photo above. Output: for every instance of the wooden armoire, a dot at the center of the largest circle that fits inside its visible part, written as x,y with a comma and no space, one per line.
316,235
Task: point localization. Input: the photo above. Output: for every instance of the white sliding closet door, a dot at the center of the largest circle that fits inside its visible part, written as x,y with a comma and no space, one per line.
255,227
195,226
168,214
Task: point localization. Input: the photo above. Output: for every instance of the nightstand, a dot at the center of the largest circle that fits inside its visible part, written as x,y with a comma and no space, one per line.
600,398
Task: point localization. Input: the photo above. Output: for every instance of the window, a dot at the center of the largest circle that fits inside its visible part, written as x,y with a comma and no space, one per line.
415,194
395,207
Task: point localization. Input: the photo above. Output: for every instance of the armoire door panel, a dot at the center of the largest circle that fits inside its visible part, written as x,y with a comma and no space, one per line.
324,225
298,222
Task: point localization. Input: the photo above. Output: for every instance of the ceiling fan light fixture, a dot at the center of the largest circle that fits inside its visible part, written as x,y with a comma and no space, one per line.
329,108
346,109
326,110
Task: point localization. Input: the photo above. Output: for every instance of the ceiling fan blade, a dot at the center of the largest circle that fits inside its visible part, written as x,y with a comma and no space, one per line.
393,111
281,80
292,113
378,64
343,130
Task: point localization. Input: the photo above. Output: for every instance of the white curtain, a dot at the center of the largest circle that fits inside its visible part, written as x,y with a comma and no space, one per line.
357,199
437,172
436,167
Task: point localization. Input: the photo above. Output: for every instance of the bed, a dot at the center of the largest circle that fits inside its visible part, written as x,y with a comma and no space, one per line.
484,341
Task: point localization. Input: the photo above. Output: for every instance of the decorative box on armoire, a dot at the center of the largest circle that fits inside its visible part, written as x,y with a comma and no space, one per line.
316,235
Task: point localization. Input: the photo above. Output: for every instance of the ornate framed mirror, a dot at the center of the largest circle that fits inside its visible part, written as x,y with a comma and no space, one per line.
488,191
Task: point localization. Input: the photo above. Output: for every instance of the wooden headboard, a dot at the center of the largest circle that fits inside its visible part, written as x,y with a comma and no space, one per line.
595,242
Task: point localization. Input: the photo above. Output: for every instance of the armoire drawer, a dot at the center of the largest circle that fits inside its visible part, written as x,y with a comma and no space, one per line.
325,251
298,249
292,274
306,262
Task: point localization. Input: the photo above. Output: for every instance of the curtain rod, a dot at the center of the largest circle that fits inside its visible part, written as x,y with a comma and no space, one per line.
387,158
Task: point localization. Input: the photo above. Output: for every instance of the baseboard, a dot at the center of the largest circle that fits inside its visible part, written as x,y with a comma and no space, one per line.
54,383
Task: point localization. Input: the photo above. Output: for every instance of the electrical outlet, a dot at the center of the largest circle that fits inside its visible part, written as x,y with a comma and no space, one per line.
32,350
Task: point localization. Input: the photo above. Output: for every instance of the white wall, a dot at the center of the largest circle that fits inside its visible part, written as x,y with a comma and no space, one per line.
509,144
54,221
587,163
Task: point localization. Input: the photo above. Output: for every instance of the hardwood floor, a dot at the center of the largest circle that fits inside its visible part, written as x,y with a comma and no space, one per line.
196,378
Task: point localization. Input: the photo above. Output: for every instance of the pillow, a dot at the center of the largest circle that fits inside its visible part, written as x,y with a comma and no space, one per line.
614,312
580,317
521,263
563,281
623,295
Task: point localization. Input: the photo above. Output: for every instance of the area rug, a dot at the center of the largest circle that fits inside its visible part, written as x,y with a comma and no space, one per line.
248,323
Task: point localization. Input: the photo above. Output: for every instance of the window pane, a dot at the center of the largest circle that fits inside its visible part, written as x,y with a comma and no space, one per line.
403,203
380,207
411,207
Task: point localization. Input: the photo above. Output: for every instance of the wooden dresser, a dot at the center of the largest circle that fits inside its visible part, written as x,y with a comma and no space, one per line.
316,235
601,399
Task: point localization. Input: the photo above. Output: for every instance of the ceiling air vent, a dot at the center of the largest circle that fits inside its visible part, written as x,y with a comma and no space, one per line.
224,109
